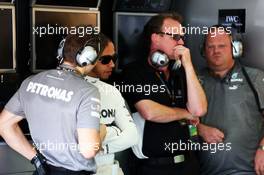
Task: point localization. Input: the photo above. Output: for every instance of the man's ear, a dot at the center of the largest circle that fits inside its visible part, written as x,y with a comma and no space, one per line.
155,38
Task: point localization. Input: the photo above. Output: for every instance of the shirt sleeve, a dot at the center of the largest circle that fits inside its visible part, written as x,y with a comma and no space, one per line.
124,134
14,105
88,112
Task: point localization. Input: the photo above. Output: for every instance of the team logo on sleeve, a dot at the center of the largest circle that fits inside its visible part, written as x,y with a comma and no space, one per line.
95,107
49,91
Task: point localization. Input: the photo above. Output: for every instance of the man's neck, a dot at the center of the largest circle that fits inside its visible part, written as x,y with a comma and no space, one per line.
222,73
75,68
92,74
166,73
69,64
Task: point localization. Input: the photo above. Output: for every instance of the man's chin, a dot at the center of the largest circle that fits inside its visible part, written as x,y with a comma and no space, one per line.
105,77
163,68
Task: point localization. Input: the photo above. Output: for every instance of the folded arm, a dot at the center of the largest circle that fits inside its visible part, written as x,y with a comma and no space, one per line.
123,134
156,112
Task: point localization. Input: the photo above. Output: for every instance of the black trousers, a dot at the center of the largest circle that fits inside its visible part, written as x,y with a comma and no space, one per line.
51,170
188,167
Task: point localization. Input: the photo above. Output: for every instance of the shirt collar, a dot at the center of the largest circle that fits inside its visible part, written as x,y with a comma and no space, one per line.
236,68
91,79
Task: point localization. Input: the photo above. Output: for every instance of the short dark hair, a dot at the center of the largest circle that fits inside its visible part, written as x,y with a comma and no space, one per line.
74,43
154,25
104,41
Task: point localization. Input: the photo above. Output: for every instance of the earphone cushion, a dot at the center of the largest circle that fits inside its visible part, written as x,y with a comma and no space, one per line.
159,59
237,49
60,49
87,55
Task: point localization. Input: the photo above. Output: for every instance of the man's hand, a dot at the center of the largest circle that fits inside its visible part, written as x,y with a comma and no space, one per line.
259,162
183,53
210,134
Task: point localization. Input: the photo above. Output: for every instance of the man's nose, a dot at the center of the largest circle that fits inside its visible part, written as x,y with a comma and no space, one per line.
180,42
112,64
216,49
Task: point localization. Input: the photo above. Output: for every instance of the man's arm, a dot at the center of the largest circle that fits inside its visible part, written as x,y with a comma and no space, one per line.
13,135
153,111
102,131
88,123
89,142
210,134
118,136
197,103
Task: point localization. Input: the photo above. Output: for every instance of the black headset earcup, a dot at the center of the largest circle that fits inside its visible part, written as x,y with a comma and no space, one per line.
159,59
87,55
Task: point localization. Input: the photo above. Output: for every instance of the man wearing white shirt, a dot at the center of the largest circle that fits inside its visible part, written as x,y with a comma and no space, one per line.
121,132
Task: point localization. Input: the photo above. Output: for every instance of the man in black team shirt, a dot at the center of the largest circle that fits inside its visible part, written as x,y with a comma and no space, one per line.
160,99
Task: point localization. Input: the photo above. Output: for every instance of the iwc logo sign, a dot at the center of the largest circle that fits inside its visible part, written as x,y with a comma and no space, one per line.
233,18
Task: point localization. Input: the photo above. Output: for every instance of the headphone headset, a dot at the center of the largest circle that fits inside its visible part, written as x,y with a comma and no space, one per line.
159,59
236,44
85,55
60,51
237,48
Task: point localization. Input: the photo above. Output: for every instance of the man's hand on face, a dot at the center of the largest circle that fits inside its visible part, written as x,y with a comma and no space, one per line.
182,53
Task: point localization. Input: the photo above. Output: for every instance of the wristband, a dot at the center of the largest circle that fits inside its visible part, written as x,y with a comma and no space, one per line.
34,159
40,164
